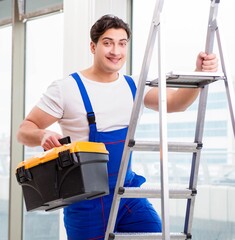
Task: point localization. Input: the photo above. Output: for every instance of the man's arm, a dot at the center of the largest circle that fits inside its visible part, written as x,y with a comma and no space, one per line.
180,99
32,131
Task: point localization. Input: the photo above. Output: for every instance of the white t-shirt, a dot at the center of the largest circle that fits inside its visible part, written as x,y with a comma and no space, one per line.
111,102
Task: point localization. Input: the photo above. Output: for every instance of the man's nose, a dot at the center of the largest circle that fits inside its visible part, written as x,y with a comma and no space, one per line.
115,49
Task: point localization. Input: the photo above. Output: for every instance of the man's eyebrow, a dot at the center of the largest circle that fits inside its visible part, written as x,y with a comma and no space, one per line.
108,38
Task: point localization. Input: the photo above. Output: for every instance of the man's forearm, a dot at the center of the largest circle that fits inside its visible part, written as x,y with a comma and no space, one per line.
30,135
181,99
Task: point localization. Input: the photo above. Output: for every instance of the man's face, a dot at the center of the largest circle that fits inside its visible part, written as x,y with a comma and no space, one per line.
110,51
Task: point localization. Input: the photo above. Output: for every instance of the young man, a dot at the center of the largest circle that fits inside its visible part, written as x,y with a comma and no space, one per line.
103,92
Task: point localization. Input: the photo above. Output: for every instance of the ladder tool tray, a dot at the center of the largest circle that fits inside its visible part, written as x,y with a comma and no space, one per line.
64,175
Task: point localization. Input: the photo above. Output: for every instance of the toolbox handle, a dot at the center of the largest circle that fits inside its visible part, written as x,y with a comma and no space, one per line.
65,140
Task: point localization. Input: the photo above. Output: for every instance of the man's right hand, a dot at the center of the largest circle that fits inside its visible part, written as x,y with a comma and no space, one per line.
50,140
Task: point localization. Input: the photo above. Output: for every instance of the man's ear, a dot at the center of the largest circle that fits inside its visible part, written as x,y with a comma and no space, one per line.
92,47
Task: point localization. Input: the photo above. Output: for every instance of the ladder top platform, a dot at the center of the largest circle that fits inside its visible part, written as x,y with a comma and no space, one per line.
188,79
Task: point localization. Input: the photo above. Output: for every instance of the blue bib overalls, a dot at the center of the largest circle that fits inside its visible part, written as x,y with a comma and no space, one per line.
87,220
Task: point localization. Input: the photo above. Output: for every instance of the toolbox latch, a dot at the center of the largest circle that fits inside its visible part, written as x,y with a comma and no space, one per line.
65,159
23,175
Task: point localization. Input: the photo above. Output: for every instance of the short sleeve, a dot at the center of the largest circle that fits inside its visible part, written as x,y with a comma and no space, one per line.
52,100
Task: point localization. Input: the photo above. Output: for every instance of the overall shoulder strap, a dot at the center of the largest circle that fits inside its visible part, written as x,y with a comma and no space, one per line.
81,87
131,84
87,104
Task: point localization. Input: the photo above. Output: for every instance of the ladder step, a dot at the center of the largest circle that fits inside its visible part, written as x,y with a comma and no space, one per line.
172,146
138,192
189,80
154,236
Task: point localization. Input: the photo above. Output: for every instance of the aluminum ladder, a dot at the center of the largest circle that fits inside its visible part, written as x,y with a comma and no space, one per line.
173,79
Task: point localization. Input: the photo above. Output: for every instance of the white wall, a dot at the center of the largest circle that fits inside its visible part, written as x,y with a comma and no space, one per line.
79,16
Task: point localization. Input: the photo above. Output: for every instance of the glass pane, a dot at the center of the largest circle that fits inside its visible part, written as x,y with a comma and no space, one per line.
5,9
43,65
185,36
35,5
5,113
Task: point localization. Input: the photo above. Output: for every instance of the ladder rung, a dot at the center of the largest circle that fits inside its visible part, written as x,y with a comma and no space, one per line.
172,146
136,236
189,80
138,192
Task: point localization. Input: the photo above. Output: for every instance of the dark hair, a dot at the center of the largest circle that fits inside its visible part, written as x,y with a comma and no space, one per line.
106,22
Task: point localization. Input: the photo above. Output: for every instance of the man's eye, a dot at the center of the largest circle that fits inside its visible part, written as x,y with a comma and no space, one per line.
107,43
123,44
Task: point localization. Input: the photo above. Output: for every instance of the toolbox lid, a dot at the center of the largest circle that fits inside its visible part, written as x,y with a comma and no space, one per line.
90,147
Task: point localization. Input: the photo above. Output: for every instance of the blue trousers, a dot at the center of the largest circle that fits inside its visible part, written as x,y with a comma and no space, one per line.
88,220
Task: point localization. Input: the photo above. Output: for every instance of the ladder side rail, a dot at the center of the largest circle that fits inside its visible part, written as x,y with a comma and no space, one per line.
228,82
162,101
134,117
211,29
154,28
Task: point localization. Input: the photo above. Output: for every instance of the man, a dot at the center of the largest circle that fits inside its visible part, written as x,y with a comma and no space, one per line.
100,91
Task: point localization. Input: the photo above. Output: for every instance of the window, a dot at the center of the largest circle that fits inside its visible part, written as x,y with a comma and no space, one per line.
43,65
185,35
34,8
5,12
5,112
